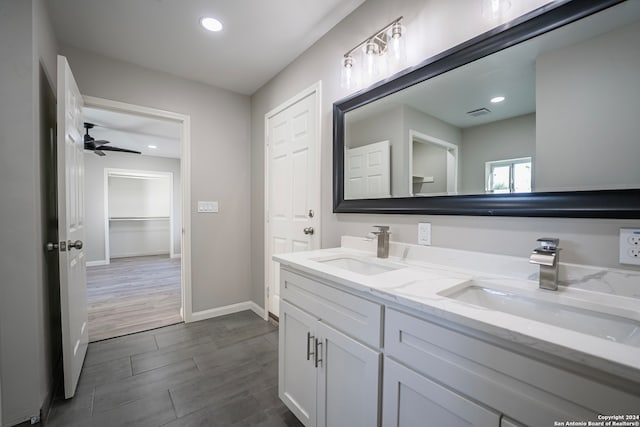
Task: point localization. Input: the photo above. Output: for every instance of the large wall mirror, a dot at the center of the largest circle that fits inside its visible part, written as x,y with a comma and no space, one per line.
539,117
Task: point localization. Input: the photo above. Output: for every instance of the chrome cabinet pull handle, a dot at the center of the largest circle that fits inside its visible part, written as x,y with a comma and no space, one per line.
318,354
309,352
308,230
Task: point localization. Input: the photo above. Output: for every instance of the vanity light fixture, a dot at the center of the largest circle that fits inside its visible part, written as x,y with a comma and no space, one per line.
152,146
497,99
211,24
383,51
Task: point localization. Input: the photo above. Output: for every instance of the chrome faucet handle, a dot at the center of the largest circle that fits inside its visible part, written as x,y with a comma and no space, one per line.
549,243
382,229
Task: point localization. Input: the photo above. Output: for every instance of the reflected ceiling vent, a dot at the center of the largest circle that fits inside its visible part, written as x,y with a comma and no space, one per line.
478,112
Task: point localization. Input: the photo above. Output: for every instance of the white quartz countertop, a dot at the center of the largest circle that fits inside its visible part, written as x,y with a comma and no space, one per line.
424,276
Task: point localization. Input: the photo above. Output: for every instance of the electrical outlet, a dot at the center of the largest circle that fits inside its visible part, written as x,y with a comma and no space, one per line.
629,246
424,233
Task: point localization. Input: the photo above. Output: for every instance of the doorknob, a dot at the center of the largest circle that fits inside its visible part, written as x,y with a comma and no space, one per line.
77,244
308,230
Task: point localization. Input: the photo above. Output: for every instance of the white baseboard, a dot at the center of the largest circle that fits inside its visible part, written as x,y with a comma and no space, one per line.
96,263
257,309
220,311
136,254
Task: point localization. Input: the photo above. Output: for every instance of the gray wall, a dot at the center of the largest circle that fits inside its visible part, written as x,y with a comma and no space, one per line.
383,126
431,126
27,43
442,24
94,179
220,266
581,124
430,160
501,140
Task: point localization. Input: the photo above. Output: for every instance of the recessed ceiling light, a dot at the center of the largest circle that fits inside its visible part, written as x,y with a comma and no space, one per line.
211,24
152,146
497,99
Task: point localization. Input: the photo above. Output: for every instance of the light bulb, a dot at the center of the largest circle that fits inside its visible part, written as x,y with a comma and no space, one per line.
494,9
397,53
346,74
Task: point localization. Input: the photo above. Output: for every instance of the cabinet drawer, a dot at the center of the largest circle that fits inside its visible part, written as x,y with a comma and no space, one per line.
520,387
355,316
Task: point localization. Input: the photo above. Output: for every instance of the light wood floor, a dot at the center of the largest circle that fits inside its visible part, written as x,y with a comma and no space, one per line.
132,295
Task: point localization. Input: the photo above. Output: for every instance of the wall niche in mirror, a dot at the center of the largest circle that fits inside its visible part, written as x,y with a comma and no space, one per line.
519,121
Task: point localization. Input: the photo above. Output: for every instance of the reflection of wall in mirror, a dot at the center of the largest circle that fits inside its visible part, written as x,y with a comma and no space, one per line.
504,139
430,163
385,125
394,125
588,99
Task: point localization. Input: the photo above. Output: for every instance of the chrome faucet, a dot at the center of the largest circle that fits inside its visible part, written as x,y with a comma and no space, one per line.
383,240
547,256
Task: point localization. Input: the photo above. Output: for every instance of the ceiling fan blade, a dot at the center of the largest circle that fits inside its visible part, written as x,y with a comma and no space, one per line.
123,150
101,142
99,153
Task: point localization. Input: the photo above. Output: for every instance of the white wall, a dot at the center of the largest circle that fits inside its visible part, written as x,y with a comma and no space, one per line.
578,120
27,43
94,183
136,197
505,139
220,158
432,27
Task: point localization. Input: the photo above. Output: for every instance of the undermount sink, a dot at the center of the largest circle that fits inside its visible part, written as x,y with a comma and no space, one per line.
360,266
577,315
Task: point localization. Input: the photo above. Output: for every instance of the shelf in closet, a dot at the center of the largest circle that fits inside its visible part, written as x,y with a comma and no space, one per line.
139,218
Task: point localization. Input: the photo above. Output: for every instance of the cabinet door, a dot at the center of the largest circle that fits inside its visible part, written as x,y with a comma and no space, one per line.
412,400
297,380
508,422
348,381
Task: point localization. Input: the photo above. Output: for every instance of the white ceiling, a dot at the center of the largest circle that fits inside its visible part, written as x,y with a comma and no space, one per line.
259,38
135,132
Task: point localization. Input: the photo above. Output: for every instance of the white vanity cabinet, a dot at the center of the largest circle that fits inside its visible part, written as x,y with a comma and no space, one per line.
351,360
328,377
470,375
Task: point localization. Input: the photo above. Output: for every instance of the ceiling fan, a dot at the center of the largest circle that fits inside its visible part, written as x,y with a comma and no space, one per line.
98,146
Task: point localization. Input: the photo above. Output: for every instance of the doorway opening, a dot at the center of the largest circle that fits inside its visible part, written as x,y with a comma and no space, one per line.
136,238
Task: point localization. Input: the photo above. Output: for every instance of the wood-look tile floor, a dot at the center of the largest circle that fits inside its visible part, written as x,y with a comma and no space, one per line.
216,372
132,295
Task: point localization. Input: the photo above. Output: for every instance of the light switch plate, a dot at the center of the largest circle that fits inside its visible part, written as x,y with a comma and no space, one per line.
630,246
207,206
424,233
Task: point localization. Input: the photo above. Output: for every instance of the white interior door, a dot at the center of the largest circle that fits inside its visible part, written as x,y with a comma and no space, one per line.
368,171
73,279
293,187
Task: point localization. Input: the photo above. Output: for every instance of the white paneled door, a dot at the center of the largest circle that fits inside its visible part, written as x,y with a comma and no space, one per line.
73,279
293,185
368,171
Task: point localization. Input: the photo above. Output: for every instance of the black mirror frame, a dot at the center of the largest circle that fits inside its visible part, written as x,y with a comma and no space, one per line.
622,204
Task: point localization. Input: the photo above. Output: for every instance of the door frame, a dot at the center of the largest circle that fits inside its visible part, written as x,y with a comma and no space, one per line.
185,177
316,90
135,173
